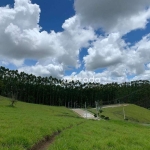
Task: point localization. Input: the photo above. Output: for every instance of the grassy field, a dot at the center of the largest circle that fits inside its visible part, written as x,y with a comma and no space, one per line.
104,135
133,113
24,125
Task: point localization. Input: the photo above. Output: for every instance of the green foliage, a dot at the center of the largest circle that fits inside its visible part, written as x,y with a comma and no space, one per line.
101,103
1,86
100,111
102,116
133,113
106,118
27,124
24,125
95,115
52,91
13,100
104,135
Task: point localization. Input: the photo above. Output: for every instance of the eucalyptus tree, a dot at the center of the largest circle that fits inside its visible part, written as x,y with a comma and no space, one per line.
53,91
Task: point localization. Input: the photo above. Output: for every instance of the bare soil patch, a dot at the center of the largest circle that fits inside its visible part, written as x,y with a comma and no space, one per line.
44,144
48,140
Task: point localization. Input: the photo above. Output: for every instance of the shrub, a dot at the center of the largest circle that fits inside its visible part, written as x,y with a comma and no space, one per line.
95,115
13,100
106,118
102,116
100,111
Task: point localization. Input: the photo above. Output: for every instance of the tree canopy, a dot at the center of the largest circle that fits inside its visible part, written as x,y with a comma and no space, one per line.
52,91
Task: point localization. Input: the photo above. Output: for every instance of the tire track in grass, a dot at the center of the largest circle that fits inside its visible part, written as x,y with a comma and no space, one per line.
44,144
48,140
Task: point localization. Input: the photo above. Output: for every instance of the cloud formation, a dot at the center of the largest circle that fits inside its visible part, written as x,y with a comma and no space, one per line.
113,15
41,70
21,38
105,52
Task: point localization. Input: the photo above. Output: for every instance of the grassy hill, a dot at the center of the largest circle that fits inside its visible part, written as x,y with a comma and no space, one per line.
26,124
104,135
133,113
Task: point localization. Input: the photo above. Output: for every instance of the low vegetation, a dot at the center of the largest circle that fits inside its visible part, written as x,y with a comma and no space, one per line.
133,113
26,124
104,135
52,91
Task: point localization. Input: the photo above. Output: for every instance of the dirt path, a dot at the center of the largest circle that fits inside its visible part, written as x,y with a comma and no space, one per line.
114,105
48,140
84,114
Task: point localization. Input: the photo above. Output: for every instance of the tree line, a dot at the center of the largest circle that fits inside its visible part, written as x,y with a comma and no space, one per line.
52,91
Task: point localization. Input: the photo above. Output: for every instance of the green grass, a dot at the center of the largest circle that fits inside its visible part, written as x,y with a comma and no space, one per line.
25,124
104,135
133,113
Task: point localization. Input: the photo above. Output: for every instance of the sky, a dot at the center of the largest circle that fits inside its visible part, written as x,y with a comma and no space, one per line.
95,40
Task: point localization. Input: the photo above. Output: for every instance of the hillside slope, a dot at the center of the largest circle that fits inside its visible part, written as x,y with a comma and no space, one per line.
26,124
132,112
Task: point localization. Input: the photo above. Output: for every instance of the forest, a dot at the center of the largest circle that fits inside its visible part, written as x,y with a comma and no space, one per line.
55,92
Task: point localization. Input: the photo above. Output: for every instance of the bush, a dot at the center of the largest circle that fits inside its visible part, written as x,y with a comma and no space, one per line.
13,102
106,118
102,116
100,111
95,115
89,107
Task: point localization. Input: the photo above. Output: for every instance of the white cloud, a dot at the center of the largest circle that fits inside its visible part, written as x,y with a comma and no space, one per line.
73,39
144,76
113,15
47,70
116,18
143,48
113,53
90,76
105,52
21,38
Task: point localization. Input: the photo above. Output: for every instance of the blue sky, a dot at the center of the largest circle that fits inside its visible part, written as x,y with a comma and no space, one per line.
136,35
77,38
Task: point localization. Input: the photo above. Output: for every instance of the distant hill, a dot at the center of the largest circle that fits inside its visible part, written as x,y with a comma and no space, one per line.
132,112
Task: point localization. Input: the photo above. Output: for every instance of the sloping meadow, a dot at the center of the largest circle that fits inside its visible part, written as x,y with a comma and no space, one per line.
24,125
104,135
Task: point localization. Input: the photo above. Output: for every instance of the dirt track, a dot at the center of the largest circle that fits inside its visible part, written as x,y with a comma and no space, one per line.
48,140
84,113
114,105
88,115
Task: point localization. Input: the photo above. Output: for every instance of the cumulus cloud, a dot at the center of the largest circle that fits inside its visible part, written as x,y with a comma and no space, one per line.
113,15
90,76
47,70
21,37
73,39
110,51
105,52
139,55
113,53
